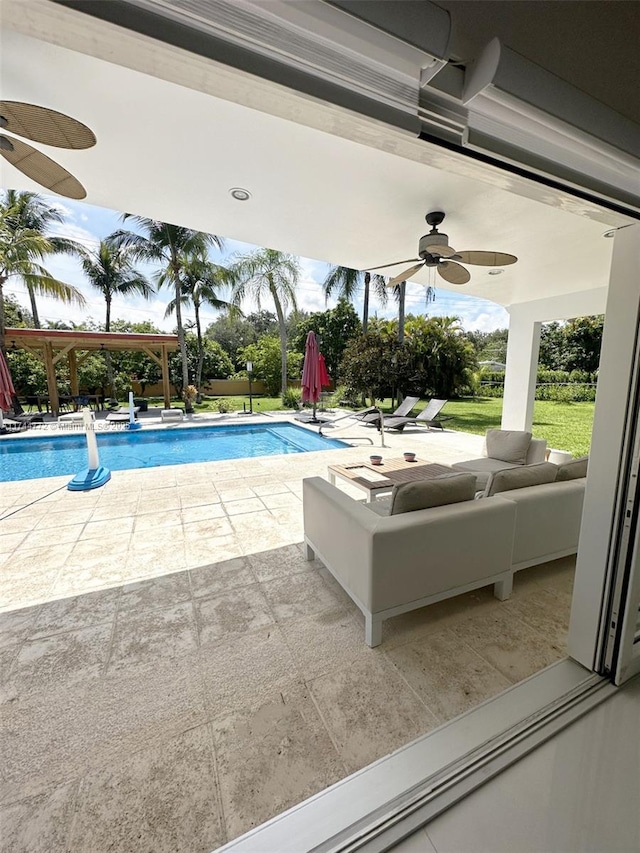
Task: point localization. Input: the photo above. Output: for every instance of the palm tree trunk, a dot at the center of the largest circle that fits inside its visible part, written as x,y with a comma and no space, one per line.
107,357
34,308
183,345
402,290
282,324
196,308
365,305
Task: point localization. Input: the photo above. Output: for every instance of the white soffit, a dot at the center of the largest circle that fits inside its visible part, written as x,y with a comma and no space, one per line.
173,153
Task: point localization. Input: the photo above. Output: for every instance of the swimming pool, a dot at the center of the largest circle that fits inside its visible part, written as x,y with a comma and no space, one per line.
27,458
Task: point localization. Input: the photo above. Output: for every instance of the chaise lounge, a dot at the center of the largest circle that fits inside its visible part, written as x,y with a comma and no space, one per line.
372,416
430,417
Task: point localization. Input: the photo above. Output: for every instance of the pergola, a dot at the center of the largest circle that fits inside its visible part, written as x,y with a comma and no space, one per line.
52,345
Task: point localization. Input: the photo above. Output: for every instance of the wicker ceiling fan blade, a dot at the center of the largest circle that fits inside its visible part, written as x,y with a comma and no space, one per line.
453,273
394,264
486,259
405,275
44,125
40,168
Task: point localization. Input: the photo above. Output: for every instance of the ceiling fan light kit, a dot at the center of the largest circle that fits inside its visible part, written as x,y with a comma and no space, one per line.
48,127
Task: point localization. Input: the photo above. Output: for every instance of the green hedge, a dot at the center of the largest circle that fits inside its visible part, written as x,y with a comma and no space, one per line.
577,386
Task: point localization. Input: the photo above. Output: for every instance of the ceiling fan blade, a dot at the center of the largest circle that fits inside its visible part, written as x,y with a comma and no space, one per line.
405,275
45,125
394,264
486,259
453,273
40,168
440,249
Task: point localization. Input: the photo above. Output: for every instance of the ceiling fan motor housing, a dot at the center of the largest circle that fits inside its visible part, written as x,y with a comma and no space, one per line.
429,243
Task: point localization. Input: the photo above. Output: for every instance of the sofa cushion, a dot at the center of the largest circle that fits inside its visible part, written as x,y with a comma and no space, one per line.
520,477
507,445
424,494
573,470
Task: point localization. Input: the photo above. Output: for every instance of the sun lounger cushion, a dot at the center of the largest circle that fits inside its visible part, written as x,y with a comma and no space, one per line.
520,477
424,494
573,470
507,445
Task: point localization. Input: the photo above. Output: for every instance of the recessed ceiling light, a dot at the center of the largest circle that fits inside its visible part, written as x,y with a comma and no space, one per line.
240,194
495,272
610,234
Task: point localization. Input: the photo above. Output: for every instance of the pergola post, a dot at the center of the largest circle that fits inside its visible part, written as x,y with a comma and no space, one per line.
52,382
73,372
522,369
166,388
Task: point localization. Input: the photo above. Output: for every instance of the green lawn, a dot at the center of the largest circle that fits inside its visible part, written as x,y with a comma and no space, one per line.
566,426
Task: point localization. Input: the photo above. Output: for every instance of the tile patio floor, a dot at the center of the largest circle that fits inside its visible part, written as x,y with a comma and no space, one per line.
175,673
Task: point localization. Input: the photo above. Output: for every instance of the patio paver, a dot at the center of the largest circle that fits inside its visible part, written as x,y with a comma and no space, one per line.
185,673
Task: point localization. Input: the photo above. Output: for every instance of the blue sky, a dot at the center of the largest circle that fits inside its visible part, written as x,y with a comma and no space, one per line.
88,225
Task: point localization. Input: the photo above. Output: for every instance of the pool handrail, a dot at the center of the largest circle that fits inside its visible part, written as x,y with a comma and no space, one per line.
353,415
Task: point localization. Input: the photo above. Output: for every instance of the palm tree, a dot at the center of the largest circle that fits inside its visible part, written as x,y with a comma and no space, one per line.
171,246
201,280
111,271
348,282
24,243
267,272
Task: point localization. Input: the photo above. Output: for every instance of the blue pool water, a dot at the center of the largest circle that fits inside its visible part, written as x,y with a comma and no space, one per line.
26,458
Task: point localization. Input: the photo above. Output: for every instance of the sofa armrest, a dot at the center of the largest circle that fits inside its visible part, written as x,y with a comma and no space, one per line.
340,530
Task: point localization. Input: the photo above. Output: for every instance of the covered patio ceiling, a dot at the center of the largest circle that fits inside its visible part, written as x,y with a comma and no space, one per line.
175,133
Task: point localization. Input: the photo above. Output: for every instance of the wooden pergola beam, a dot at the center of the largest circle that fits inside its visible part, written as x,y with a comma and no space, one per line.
52,382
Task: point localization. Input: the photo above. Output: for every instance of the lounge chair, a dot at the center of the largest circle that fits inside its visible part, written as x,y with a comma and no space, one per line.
372,416
10,424
430,417
26,418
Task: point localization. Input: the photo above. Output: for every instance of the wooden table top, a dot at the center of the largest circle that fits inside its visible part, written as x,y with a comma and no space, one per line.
392,472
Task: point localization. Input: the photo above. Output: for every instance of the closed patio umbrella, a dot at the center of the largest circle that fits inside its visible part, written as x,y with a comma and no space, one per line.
311,387
325,379
7,391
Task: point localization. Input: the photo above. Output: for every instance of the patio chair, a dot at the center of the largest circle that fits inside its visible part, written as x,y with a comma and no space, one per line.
372,416
430,417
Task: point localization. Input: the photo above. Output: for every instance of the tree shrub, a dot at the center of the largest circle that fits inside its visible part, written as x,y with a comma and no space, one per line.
292,399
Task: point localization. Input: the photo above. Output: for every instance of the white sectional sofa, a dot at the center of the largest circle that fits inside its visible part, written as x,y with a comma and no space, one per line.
392,564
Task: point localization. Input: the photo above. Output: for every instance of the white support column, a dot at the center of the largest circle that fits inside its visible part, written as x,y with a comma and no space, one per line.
522,368
609,426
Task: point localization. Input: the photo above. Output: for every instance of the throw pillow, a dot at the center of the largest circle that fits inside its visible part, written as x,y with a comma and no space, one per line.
508,445
573,470
519,478
424,494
